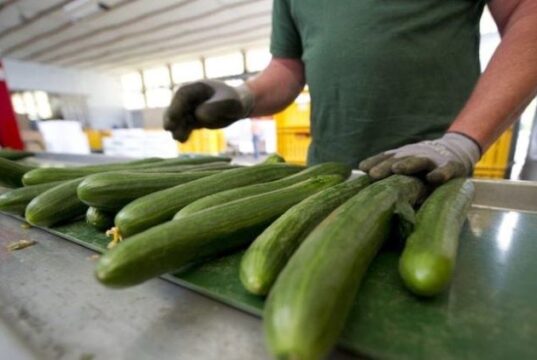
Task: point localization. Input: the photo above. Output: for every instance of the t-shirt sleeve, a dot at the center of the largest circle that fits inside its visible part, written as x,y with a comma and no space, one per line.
285,40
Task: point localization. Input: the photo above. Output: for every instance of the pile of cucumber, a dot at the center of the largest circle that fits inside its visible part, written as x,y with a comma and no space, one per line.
310,233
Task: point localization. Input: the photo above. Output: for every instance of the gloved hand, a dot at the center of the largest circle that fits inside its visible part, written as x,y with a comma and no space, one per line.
206,104
453,155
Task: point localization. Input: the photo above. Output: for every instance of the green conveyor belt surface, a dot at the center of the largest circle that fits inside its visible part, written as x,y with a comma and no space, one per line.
490,311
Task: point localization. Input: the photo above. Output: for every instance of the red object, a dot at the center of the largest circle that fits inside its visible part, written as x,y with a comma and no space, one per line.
9,130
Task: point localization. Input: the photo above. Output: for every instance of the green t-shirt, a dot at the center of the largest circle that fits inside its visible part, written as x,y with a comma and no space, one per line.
381,73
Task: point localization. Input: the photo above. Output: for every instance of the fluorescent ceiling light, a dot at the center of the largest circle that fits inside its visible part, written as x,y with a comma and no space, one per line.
79,9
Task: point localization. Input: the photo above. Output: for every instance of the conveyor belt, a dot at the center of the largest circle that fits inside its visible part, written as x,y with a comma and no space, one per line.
490,310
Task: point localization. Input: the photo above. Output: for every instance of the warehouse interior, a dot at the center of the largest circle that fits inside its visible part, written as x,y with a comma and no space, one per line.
88,82
114,65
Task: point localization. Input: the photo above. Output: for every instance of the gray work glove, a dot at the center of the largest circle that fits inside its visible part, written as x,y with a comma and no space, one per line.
206,104
453,155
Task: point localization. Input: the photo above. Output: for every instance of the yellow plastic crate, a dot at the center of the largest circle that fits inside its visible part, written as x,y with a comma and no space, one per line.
95,138
204,141
295,115
495,161
293,130
293,143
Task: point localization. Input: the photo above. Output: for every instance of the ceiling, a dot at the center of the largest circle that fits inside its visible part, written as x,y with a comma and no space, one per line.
130,34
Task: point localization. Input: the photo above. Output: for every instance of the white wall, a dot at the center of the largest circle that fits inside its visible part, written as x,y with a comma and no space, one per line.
103,92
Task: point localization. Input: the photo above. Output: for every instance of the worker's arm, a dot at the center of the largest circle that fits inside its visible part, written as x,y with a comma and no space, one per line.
503,91
509,82
277,86
213,104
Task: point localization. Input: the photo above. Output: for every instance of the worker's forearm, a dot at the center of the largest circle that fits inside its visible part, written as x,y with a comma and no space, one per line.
277,86
508,84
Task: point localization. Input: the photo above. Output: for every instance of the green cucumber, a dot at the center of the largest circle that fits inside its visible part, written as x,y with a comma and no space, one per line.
274,159
12,172
308,305
208,233
101,220
113,190
268,254
220,165
234,194
43,175
110,166
161,206
182,160
56,205
186,160
53,174
16,200
428,259
11,154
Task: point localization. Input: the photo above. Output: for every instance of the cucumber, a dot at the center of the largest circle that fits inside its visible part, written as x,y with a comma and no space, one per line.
11,154
56,205
182,160
268,254
52,174
112,190
428,259
43,175
186,160
101,220
234,194
307,306
274,159
12,172
112,165
15,201
220,165
176,243
161,206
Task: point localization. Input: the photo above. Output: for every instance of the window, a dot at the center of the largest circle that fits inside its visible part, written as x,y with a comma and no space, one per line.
133,100
132,82
157,77
257,59
157,87
133,96
29,105
159,97
154,87
187,71
43,105
18,104
224,65
38,105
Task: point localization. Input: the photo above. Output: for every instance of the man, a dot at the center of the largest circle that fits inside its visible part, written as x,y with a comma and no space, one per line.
399,79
